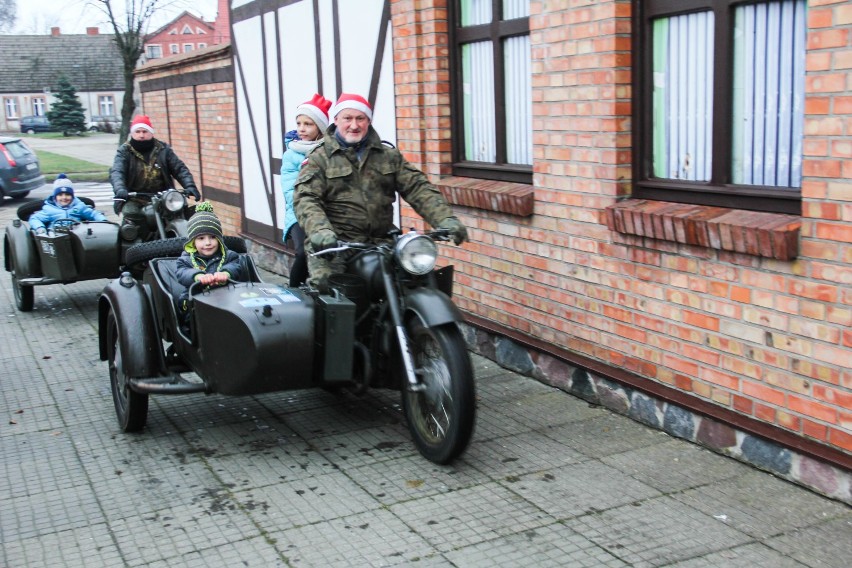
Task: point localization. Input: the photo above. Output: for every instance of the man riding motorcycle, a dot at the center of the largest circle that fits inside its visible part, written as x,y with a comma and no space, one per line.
144,164
347,186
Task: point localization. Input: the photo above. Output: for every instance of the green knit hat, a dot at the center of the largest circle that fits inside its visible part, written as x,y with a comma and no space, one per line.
204,222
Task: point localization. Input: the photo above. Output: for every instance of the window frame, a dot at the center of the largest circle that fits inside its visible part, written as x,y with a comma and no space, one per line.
154,51
719,191
106,105
496,31
10,107
39,105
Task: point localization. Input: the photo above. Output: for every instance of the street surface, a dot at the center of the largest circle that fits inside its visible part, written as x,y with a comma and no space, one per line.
313,479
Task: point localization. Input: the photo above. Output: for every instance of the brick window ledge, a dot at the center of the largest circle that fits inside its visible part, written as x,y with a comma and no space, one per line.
502,196
770,235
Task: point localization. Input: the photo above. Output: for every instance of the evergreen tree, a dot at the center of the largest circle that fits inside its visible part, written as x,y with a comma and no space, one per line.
67,114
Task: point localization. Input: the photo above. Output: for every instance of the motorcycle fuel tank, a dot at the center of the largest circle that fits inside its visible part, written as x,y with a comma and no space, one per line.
255,338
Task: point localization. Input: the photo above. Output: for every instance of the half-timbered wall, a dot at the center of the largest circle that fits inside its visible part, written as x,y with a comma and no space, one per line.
286,51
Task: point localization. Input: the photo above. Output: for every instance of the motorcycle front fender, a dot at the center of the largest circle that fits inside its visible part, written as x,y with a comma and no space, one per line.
177,227
140,338
432,306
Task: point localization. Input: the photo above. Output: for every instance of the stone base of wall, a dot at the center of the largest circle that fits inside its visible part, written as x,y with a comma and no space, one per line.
674,420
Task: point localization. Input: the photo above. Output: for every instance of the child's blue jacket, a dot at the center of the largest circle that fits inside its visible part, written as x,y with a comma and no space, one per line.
51,212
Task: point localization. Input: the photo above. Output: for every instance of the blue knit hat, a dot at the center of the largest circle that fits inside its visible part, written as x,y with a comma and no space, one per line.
62,185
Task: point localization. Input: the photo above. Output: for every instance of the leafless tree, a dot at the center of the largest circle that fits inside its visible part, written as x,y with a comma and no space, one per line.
129,24
8,15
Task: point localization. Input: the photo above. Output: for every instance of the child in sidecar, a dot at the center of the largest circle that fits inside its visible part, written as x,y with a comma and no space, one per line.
62,206
205,257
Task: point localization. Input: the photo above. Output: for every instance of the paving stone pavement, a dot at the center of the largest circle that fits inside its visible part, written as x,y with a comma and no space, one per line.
312,479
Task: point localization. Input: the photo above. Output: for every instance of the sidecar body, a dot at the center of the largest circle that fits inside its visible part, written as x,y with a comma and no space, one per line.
71,253
239,339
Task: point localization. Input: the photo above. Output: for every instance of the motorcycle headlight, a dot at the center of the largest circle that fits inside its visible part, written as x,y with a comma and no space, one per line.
174,200
416,253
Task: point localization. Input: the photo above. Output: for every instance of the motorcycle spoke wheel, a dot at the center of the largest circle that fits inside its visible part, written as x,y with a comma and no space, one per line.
24,295
441,416
131,408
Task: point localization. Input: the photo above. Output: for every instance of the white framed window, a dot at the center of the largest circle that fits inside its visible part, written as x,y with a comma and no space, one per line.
39,106
106,104
202,45
154,51
187,47
174,48
11,106
200,31
186,30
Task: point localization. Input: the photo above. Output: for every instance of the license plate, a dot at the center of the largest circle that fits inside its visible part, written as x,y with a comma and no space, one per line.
32,166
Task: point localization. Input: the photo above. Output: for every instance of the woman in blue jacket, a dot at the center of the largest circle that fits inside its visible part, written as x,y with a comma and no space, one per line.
311,122
60,206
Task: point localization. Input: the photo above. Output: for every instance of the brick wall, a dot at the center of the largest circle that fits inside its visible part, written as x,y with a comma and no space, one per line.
763,338
193,109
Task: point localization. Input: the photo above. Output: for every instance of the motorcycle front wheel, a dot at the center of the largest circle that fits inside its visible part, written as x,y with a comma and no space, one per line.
131,408
441,416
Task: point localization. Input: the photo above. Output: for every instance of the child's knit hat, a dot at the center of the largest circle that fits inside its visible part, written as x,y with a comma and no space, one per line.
317,110
62,185
204,222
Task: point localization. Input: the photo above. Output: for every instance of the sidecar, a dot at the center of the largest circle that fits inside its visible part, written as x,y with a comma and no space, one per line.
70,253
240,339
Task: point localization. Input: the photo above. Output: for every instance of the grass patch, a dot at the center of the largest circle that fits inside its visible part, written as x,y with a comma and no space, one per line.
78,170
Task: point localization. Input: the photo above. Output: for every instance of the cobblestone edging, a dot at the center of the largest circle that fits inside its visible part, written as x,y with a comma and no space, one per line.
674,420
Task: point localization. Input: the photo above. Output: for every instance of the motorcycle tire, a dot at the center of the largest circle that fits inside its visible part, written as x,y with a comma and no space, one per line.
24,295
137,255
440,417
131,407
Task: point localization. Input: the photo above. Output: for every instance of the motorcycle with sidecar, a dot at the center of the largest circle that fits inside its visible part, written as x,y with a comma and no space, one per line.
77,251
387,322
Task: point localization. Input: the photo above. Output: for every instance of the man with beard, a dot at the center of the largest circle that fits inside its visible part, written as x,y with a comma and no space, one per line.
146,165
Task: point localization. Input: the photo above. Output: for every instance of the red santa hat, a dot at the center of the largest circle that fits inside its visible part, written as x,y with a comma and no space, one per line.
316,109
354,102
141,121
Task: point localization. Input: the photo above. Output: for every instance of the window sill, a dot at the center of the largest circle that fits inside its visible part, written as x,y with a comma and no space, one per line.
502,196
769,235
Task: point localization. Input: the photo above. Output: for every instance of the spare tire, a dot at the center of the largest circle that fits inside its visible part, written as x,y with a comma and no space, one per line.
27,209
137,255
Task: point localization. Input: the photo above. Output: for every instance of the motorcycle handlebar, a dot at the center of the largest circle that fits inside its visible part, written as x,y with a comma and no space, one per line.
442,235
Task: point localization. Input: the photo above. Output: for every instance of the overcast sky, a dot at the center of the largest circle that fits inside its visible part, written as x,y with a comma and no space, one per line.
74,16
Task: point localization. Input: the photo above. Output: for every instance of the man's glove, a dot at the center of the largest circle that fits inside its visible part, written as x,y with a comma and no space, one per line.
194,192
120,198
323,239
455,228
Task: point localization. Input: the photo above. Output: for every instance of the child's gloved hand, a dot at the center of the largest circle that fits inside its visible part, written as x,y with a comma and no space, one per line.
220,277
206,279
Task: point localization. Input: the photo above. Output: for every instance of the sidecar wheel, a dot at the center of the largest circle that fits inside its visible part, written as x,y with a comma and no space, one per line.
24,295
131,408
440,417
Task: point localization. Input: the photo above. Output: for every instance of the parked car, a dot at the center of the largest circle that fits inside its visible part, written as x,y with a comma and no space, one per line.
20,171
33,124
104,123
